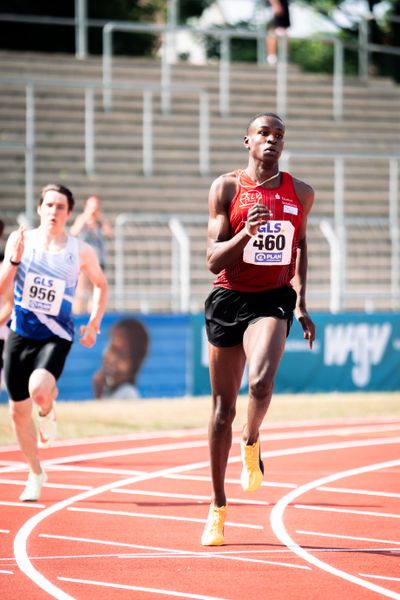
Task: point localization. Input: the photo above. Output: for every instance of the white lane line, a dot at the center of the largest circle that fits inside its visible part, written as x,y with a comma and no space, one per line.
207,478
101,470
20,541
331,427
348,510
61,486
22,504
137,588
175,553
197,497
221,551
4,531
346,537
329,446
203,443
278,527
118,438
337,431
6,572
380,577
342,490
331,424
140,515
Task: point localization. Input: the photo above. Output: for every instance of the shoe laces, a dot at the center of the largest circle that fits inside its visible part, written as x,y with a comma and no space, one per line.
217,519
252,458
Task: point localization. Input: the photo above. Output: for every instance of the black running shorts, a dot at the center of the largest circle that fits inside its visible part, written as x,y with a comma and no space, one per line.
228,313
1,355
283,20
23,356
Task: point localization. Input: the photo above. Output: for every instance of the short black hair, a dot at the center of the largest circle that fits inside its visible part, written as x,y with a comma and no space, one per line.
61,189
264,114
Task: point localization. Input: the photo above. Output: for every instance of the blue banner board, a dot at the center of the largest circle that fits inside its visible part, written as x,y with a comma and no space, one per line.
353,352
163,372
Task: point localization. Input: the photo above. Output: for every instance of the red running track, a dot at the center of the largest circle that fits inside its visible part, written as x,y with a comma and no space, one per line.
121,517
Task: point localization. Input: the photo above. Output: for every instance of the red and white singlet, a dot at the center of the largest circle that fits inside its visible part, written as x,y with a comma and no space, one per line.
269,257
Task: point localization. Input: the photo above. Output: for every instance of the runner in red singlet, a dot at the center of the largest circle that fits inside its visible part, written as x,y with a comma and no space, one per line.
258,250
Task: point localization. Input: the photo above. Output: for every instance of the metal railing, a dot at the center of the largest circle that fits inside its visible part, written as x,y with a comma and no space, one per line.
225,35
335,230
155,256
89,87
161,250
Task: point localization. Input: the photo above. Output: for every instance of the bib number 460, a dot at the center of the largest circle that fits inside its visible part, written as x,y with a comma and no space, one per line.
270,242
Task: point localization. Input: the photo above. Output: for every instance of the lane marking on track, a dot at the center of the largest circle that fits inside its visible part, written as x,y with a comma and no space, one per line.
285,425
338,431
346,537
351,511
6,572
355,423
20,541
100,470
157,552
61,486
380,577
137,588
342,490
221,552
117,438
278,527
23,504
140,515
207,478
203,443
198,497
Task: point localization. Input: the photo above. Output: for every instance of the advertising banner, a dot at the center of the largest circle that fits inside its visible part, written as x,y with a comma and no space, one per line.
164,356
136,356
352,352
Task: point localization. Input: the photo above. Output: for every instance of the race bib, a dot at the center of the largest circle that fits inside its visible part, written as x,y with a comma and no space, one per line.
43,294
272,244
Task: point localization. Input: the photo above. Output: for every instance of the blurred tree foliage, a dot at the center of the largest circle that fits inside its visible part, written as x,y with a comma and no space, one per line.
61,38
309,55
382,31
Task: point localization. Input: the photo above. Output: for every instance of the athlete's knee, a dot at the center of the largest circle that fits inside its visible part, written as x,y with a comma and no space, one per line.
261,388
20,412
42,387
224,415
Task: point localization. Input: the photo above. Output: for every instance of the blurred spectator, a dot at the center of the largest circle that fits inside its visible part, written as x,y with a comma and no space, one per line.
93,228
6,306
122,360
278,26
1,236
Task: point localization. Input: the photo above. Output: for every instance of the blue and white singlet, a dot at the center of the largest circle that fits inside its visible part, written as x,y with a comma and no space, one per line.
44,288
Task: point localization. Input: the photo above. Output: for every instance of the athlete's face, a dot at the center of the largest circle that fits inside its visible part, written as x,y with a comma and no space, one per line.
117,358
54,211
264,139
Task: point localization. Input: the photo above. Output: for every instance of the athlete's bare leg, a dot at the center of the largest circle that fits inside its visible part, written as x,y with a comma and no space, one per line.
264,343
226,370
43,390
24,427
